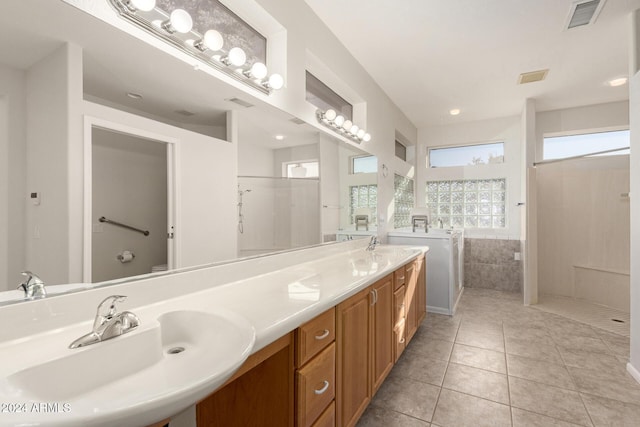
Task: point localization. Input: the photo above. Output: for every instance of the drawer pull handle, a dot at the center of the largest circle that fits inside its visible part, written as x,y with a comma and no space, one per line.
401,278
402,340
323,389
323,336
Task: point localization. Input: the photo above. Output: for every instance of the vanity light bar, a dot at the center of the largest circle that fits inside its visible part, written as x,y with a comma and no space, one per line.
336,122
176,29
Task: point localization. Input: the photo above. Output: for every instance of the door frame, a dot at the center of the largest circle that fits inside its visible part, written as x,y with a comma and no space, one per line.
173,243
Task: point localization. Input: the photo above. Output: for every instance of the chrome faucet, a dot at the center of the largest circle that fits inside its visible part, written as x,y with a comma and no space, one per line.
373,243
108,323
33,286
440,223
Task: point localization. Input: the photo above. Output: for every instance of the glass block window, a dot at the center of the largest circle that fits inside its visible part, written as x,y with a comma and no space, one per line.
323,97
403,201
363,196
212,14
562,147
471,203
468,155
364,164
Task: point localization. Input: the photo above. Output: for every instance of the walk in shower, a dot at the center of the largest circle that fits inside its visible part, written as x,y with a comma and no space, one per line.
276,214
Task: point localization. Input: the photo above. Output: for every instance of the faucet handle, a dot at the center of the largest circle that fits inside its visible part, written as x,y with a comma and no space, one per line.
106,310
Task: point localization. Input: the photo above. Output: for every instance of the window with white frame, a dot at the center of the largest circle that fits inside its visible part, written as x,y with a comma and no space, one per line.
562,147
469,203
467,155
403,199
363,196
364,164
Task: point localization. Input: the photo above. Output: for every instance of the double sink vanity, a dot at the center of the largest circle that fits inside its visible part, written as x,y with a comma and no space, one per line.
300,338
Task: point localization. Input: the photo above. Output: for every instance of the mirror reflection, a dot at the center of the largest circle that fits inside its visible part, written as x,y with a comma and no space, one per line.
96,124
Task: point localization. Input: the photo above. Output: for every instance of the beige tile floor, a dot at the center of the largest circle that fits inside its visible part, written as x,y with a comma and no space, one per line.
499,363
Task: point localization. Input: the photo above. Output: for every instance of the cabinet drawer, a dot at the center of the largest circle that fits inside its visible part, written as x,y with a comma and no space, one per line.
328,417
315,385
399,277
315,335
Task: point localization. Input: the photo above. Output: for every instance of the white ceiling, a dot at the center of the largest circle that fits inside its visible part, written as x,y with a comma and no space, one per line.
430,56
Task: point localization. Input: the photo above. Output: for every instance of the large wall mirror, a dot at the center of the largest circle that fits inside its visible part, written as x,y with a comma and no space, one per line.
97,124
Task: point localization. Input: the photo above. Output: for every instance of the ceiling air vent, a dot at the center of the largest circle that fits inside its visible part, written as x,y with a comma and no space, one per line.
532,76
240,102
584,13
297,121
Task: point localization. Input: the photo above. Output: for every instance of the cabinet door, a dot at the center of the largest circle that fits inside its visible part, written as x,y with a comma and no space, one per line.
411,300
382,328
421,289
399,321
353,357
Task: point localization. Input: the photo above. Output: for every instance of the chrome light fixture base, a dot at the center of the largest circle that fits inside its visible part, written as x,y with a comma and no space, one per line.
346,128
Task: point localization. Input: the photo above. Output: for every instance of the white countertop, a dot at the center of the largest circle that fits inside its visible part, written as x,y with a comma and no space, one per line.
275,294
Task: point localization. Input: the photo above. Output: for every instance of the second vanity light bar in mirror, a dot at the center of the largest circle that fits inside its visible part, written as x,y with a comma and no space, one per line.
343,126
206,45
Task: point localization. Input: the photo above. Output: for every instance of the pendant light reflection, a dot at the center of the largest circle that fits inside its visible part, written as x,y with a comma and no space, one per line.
338,123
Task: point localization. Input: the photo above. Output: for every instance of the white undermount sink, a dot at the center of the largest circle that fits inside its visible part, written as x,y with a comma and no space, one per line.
137,378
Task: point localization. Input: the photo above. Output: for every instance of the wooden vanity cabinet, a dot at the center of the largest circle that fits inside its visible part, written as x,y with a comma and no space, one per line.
316,371
364,340
415,295
259,394
325,373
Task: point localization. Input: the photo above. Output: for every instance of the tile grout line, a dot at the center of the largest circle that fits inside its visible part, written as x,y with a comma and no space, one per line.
506,367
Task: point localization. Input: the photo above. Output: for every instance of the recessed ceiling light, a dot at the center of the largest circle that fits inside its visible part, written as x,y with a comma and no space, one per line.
134,95
454,112
279,137
617,82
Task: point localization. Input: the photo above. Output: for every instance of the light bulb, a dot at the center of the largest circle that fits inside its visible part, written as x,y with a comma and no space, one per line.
259,70
237,57
361,133
339,120
366,137
143,5
330,114
213,40
347,125
354,129
181,21
276,81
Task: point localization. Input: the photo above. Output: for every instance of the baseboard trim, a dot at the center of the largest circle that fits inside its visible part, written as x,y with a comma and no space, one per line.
438,310
633,371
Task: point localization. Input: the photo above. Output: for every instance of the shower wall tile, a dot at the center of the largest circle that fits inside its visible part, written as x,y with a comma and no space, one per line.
490,264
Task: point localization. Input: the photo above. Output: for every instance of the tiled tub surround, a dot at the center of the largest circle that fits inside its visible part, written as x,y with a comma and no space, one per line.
490,264
499,363
275,294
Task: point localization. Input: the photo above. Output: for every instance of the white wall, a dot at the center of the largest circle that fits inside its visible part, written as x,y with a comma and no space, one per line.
12,176
507,130
129,185
583,229
47,126
206,176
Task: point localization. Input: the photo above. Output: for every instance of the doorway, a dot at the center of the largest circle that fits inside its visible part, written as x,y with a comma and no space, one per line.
130,206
